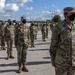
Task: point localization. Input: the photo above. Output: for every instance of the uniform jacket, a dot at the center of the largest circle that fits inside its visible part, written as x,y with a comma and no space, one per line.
22,35
62,44
9,32
32,30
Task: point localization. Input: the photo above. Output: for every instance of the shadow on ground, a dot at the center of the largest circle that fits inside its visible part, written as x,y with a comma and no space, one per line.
28,63
43,43
46,57
38,62
3,71
11,64
2,57
38,49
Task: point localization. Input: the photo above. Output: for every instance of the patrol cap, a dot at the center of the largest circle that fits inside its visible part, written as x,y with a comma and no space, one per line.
69,9
23,17
9,20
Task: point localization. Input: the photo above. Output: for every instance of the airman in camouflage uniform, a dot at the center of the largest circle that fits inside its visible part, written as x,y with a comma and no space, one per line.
9,37
61,49
3,35
21,43
32,33
44,32
36,30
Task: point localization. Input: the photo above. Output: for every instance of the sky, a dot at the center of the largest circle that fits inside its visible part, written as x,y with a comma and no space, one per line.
33,9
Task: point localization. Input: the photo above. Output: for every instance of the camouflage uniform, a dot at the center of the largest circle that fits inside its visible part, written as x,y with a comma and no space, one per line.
9,37
52,26
0,32
3,35
32,33
61,49
44,32
36,28
21,43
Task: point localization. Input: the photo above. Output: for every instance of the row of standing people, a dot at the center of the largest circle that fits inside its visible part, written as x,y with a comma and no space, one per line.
21,35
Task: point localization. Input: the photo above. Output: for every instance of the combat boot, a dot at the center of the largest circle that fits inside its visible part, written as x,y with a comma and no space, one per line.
47,37
7,56
33,46
11,56
4,48
20,68
44,40
25,68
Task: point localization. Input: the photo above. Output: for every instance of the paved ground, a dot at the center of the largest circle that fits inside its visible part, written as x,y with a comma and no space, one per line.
38,60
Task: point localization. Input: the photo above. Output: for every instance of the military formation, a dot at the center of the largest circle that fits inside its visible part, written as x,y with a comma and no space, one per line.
21,36
62,47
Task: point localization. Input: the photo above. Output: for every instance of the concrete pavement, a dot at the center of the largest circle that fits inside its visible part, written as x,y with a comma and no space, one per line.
38,60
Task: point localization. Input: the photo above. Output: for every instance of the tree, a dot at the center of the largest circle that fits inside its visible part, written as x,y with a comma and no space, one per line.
48,21
56,18
14,21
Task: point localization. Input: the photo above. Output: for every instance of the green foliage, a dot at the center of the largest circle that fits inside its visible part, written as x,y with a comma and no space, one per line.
48,21
56,18
14,21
